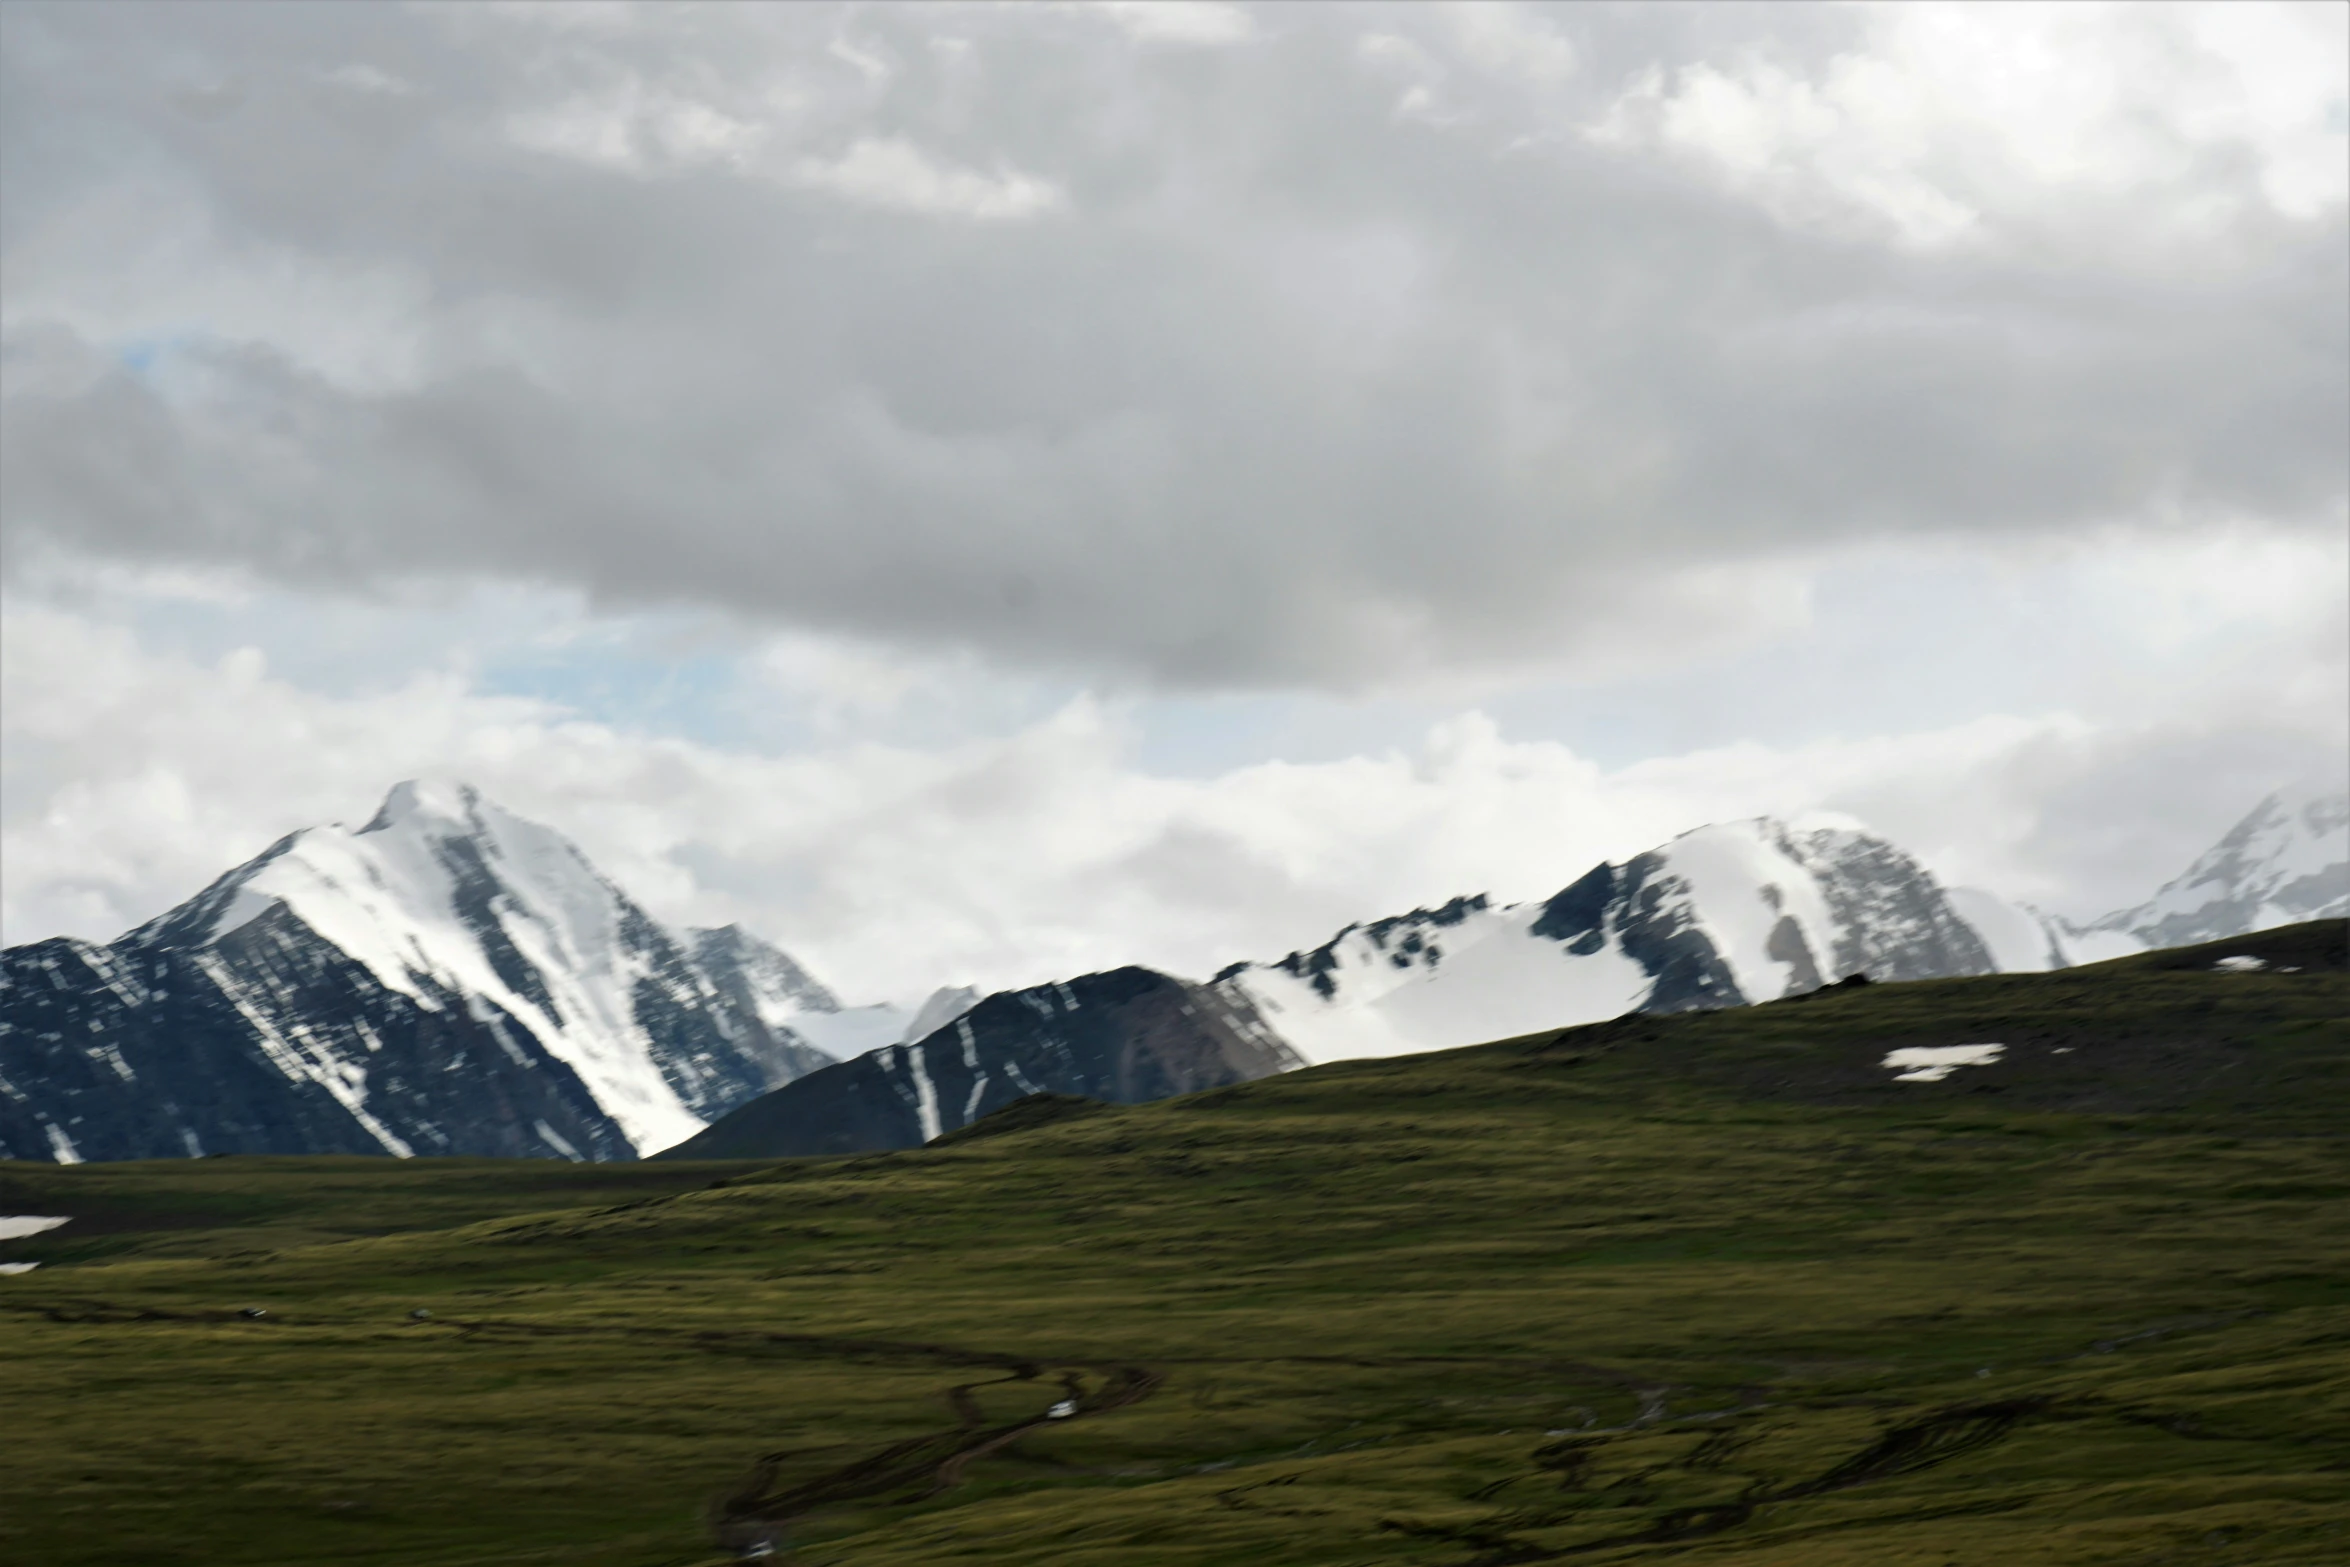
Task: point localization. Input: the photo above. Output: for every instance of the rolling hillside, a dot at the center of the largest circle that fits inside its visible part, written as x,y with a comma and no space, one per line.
1784,1284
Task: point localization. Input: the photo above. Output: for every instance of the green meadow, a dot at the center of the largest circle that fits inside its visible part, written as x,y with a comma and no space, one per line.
1701,1289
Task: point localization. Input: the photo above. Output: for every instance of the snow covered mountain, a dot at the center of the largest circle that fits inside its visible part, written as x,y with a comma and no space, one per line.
450,978
2288,861
1727,914
1738,912
806,1028
2021,939
1751,911
1127,1036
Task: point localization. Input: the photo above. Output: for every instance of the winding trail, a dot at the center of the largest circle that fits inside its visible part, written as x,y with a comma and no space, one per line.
752,1519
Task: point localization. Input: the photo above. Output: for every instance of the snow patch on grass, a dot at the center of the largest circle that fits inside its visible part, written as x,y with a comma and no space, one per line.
1932,1063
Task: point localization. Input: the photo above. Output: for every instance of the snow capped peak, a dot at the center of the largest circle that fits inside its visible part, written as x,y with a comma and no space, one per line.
445,803
1736,911
1789,909
1748,887
2288,860
1810,822
459,905
451,901
2295,832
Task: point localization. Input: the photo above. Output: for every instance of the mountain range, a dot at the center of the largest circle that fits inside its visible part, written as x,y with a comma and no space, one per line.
1721,916
453,979
2281,864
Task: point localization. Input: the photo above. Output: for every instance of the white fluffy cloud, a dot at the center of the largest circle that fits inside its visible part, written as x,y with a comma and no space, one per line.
135,775
1952,122
1215,348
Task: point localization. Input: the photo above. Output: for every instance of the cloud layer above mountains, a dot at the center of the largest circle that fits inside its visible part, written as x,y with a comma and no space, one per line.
1045,848
1320,347
980,491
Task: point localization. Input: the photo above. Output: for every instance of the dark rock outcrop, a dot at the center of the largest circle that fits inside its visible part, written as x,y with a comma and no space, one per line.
1127,1036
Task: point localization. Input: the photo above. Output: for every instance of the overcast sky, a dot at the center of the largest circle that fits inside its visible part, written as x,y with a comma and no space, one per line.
983,492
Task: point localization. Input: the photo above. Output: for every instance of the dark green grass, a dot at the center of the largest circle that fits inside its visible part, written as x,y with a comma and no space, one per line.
245,1205
1696,1289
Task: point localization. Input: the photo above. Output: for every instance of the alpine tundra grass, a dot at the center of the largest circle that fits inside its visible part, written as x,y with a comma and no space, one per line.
1710,1288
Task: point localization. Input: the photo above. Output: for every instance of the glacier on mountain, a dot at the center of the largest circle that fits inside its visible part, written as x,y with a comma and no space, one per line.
445,893
2020,939
1735,912
2287,861
449,978
1752,911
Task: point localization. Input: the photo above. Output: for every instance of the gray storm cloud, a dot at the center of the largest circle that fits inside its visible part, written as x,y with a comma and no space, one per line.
1310,345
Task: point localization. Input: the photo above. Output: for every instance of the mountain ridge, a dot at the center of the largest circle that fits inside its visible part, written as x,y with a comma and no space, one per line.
450,978
1124,1036
1722,915
454,979
2283,863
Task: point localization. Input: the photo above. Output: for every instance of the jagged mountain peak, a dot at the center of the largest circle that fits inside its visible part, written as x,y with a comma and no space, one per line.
448,929
2295,833
2286,860
1733,911
431,803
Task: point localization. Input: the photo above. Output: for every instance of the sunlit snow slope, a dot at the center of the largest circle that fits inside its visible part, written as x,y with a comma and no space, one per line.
2288,861
1750,911
1743,911
450,978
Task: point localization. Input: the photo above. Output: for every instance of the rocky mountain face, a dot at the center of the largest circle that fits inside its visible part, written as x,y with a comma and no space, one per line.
450,978
2288,861
772,1000
1738,912
1126,1036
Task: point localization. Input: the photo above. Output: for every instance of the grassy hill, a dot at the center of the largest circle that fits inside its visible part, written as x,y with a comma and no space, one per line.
1706,1289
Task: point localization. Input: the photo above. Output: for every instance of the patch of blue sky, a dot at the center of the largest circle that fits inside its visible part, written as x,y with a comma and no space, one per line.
706,696
513,642
146,353
1901,643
